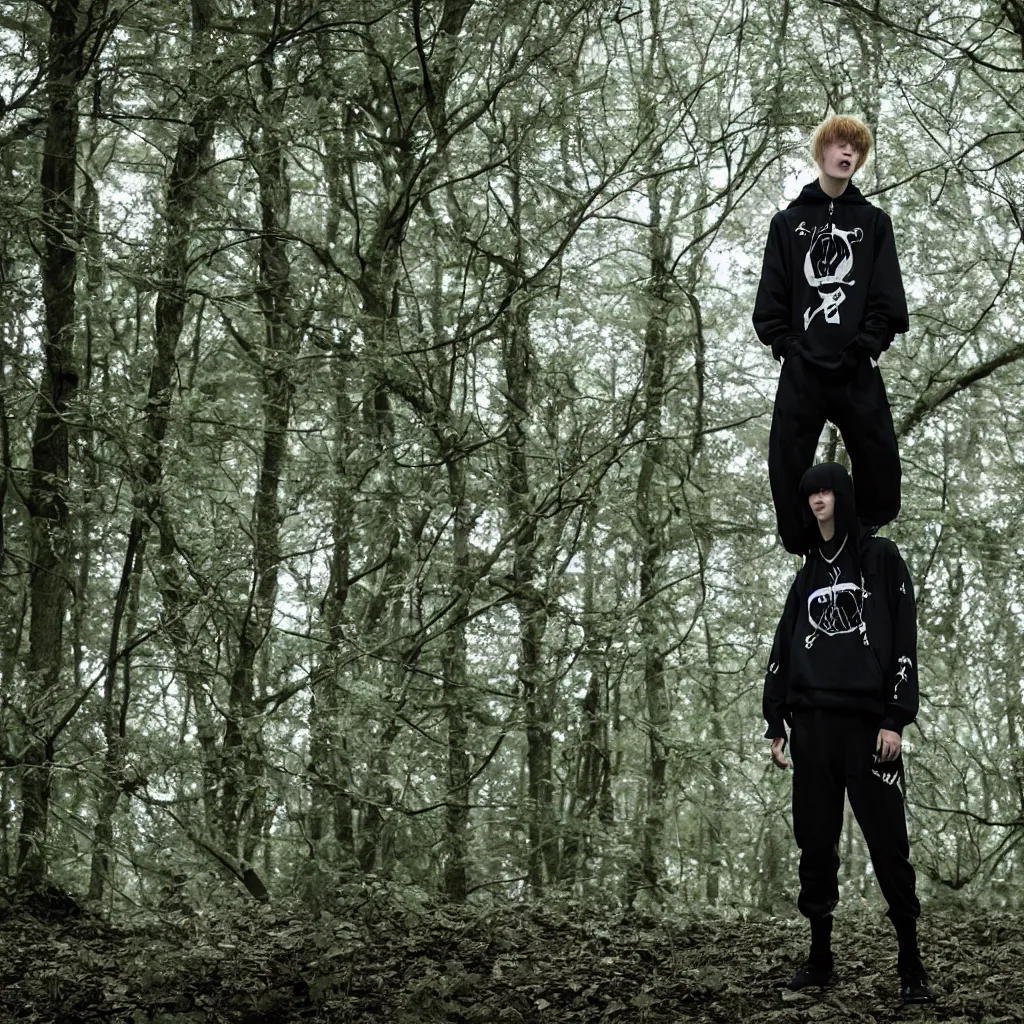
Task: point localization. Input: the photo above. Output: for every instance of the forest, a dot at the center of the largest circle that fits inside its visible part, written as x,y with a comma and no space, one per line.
388,568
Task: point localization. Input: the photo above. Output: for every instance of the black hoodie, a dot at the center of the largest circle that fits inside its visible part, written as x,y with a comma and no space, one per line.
848,636
830,285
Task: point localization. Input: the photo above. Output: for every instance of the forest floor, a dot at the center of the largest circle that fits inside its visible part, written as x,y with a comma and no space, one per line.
376,961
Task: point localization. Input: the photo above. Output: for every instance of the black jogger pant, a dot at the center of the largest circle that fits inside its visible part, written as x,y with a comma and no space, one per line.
855,401
834,752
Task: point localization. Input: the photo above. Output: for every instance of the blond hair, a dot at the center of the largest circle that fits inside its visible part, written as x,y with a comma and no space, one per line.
841,128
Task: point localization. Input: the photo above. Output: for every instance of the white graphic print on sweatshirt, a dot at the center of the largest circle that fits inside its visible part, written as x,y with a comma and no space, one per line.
901,676
836,609
828,261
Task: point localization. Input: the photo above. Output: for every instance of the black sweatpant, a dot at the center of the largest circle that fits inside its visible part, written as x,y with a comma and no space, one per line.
834,752
855,401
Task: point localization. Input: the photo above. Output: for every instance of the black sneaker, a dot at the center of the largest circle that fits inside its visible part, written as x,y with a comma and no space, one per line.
914,988
808,974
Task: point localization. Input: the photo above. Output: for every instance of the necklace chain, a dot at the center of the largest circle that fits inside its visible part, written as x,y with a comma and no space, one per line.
837,554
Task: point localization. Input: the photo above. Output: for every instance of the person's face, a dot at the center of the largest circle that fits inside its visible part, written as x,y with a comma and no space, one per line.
839,160
823,505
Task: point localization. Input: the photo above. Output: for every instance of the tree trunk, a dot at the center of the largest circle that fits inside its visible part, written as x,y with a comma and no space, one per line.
591,770
770,867
330,814
242,809
193,148
454,671
649,515
96,346
48,497
518,360
330,804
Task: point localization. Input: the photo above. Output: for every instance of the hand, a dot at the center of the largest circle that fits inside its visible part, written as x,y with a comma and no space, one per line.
778,751
889,745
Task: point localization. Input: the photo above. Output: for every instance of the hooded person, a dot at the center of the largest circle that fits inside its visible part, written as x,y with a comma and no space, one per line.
843,677
829,301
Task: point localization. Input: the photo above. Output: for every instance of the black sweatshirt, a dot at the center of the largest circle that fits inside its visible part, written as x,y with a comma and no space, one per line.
847,639
830,283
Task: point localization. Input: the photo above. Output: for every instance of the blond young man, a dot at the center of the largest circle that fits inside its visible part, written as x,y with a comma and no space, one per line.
829,302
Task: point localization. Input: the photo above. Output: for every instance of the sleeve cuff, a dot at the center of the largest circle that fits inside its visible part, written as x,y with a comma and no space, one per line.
775,731
874,346
893,724
783,346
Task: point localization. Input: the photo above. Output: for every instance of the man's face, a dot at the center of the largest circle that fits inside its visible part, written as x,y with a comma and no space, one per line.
823,505
839,160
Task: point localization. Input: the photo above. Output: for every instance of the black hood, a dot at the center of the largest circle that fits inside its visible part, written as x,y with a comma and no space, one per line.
830,476
812,192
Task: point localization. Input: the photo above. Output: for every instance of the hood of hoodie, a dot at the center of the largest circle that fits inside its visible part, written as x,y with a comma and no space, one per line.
812,192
